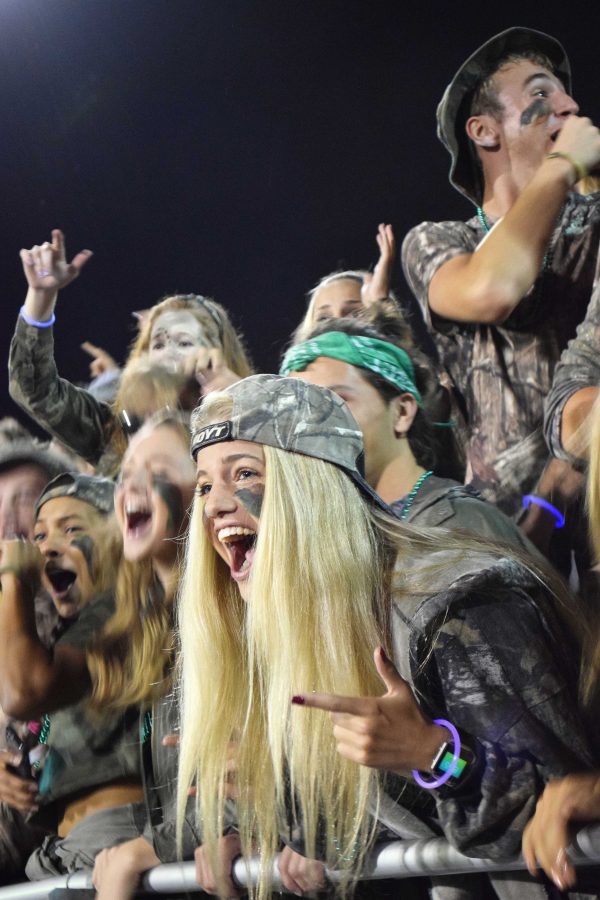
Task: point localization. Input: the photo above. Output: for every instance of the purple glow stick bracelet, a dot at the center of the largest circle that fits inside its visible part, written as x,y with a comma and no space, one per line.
530,499
438,782
34,322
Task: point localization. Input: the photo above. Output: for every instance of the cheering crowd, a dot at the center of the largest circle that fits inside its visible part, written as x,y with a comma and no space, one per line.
296,615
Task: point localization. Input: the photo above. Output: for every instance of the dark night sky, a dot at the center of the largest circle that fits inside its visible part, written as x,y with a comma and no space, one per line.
234,148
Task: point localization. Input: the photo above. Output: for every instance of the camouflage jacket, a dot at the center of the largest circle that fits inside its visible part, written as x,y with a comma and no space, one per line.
579,367
70,414
478,640
444,503
503,372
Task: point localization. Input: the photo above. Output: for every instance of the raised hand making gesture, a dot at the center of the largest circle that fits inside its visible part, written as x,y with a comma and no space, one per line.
47,271
389,732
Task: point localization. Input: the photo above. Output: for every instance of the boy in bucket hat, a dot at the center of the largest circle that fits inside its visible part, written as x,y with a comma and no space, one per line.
503,292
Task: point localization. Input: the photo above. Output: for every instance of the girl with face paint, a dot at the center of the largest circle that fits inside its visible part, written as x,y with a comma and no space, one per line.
132,660
188,335
91,765
375,670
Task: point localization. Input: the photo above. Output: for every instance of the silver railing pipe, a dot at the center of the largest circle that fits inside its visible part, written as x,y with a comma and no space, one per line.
397,859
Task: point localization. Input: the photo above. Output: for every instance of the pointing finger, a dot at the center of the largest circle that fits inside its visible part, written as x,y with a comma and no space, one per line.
356,706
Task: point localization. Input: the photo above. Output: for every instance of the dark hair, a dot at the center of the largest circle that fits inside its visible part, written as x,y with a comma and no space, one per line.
434,447
485,100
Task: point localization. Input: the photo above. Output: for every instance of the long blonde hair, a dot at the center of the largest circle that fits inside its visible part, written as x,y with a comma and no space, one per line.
241,664
131,660
320,601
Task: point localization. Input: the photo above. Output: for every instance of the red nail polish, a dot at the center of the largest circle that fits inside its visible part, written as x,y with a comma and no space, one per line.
298,699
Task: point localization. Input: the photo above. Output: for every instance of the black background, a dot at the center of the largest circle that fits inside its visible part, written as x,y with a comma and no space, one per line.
236,149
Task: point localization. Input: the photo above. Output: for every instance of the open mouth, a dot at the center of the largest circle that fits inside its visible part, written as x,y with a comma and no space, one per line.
241,544
139,522
60,579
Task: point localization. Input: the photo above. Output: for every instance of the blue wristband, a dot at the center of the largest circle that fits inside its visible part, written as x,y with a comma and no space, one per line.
533,500
34,322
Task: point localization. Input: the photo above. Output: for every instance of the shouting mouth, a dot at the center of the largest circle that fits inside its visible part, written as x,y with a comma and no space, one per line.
62,580
138,520
241,544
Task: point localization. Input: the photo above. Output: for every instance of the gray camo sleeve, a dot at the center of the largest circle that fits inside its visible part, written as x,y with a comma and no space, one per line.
70,414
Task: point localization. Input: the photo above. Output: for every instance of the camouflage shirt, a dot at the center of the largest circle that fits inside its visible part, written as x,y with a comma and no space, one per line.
444,503
70,414
503,372
86,752
579,367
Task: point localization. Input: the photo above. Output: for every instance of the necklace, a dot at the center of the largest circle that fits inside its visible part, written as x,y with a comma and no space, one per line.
546,262
411,497
43,738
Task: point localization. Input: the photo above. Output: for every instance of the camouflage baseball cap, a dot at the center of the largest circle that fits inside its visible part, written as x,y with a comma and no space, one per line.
454,108
292,415
98,492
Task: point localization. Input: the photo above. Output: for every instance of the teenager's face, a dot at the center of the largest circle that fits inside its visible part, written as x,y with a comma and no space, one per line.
67,532
519,85
155,489
175,334
374,416
231,482
19,489
337,299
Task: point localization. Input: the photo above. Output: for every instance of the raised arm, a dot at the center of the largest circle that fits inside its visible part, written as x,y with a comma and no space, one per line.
33,679
487,285
575,386
70,414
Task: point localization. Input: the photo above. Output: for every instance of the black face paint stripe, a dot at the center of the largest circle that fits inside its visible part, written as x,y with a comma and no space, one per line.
251,500
170,494
86,545
534,111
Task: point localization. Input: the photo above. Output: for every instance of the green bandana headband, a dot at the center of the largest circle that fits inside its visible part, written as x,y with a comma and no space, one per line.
392,363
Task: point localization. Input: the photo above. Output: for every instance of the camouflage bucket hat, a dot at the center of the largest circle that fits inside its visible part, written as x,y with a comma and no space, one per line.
98,492
454,108
292,415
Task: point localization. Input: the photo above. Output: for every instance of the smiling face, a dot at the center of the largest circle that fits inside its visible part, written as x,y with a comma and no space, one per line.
155,489
231,482
175,334
67,531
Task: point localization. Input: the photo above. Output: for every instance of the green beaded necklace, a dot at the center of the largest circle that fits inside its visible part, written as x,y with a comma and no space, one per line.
546,262
43,738
411,497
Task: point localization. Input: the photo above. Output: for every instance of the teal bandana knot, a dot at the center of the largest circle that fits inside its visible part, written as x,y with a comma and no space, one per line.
387,360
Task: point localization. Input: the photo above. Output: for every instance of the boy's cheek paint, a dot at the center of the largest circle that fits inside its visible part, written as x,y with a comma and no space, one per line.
536,110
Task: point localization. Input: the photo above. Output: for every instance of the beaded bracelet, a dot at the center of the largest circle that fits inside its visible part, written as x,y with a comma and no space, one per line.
533,500
34,322
579,169
438,782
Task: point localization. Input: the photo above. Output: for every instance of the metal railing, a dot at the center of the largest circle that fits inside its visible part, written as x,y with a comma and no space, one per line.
398,859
